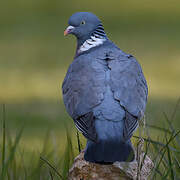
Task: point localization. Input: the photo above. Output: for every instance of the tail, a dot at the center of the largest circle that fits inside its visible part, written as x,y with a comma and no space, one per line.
109,151
111,146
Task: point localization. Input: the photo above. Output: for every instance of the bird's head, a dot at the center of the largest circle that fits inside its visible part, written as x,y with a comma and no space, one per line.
83,25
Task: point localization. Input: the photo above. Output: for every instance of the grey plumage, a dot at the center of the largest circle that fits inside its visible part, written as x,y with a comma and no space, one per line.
105,93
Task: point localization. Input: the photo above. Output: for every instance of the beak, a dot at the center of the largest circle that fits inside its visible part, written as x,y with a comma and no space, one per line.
68,30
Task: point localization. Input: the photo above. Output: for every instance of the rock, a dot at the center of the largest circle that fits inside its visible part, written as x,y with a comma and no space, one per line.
83,170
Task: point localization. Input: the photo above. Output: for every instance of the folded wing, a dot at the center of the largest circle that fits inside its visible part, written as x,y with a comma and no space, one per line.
130,89
83,89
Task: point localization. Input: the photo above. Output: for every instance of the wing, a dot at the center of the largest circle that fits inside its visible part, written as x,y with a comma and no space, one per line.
83,89
85,124
130,89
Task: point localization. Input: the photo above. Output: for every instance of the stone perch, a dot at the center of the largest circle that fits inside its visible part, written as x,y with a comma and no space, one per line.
83,170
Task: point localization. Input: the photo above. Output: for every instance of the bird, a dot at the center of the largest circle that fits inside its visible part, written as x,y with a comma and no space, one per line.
104,91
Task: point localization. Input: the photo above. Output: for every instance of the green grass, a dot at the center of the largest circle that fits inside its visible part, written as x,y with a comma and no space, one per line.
55,157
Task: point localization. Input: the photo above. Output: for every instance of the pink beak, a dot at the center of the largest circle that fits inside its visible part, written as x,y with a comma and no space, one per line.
68,30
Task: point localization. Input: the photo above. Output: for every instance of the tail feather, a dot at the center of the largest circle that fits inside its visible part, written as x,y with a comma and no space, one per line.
111,146
109,151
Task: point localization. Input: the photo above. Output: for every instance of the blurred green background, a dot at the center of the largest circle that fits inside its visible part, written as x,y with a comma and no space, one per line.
34,57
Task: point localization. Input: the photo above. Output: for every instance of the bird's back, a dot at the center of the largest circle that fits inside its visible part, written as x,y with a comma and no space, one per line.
110,84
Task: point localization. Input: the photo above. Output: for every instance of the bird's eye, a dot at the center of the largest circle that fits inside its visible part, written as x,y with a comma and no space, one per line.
83,22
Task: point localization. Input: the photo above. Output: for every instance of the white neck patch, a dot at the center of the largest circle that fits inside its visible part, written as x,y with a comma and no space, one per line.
90,43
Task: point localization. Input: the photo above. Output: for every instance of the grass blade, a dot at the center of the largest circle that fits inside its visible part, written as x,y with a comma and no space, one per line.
69,155
12,153
163,149
167,173
50,173
170,163
4,138
157,143
78,141
51,166
171,127
145,154
159,128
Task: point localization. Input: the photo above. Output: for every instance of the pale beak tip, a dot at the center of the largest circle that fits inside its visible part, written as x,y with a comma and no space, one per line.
65,32
68,30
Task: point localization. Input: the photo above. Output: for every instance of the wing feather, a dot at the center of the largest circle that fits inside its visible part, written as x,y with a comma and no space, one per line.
130,125
130,89
85,124
83,89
